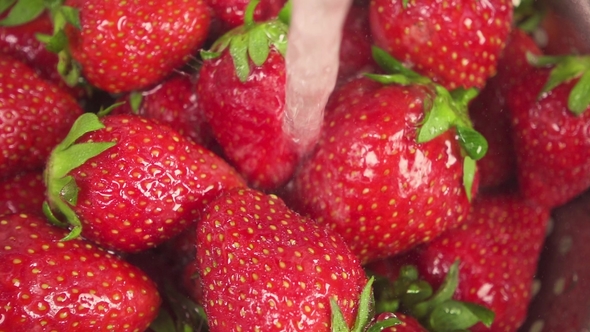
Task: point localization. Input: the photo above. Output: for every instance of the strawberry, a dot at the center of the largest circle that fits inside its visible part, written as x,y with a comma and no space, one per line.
241,89
174,102
19,41
355,48
498,249
550,123
490,114
232,12
388,172
456,43
265,268
128,45
563,298
36,116
22,193
49,285
130,183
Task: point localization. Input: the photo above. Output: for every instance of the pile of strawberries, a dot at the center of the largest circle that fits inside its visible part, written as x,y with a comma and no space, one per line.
148,184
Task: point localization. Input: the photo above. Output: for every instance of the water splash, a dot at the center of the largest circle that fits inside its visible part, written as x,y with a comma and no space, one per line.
312,65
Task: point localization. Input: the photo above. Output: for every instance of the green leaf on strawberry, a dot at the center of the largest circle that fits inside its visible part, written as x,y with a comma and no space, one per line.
438,312
364,314
566,68
445,110
62,190
5,4
251,41
22,12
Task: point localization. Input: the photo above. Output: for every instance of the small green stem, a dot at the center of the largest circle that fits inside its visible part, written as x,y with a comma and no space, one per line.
249,13
285,13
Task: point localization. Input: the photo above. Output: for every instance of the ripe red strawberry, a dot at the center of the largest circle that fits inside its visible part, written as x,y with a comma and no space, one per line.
231,12
563,297
265,268
242,93
377,179
498,249
130,45
455,43
490,114
49,285
130,183
550,122
22,193
355,48
19,41
36,116
174,102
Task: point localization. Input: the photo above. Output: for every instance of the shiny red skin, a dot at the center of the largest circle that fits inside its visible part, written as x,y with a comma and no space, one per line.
456,43
265,268
35,115
231,12
551,143
372,183
408,323
22,193
355,47
498,248
130,45
247,117
150,186
174,102
20,42
490,114
563,296
50,285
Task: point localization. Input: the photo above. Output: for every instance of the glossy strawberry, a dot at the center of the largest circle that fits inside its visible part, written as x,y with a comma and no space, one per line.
137,182
242,93
22,193
550,122
36,116
231,12
457,43
376,179
130,45
265,268
498,249
490,114
174,102
49,285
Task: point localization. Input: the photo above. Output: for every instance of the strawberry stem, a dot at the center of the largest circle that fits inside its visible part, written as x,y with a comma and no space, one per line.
249,13
285,13
438,312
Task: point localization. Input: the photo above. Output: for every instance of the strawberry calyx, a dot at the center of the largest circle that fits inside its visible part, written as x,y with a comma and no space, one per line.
62,191
251,41
364,315
178,313
25,11
436,311
443,111
564,69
